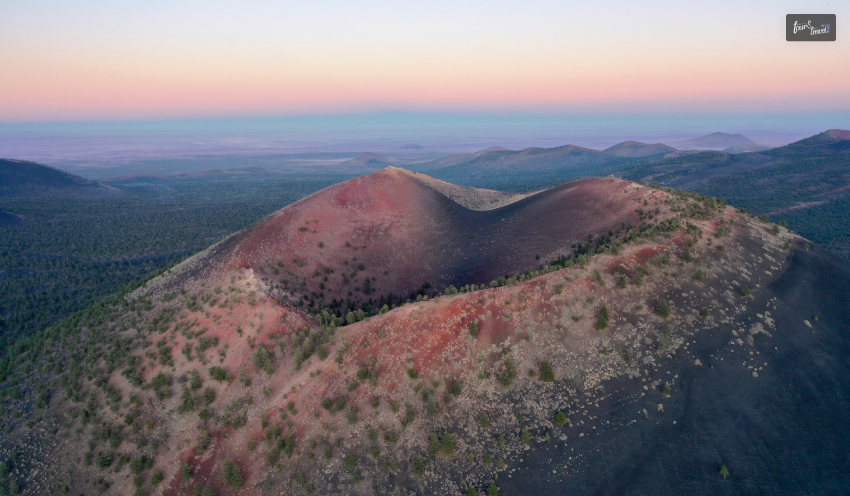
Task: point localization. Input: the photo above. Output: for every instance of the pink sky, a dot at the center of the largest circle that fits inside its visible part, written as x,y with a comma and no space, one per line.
217,60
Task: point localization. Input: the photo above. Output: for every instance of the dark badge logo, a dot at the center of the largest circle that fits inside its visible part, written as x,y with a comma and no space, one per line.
810,27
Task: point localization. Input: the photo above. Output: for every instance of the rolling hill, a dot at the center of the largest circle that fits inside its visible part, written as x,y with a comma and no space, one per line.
364,163
30,179
531,167
638,149
599,337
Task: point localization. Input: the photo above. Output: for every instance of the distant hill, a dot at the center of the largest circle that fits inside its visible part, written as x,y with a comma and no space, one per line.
833,141
412,146
365,162
806,183
23,178
714,141
458,158
499,169
638,149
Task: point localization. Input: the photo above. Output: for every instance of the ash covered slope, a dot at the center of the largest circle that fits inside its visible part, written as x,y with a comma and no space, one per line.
548,382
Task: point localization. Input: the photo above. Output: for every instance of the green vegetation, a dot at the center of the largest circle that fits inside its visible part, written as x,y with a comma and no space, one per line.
811,176
662,308
560,418
601,319
506,377
547,373
454,387
70,254
484,421
233,475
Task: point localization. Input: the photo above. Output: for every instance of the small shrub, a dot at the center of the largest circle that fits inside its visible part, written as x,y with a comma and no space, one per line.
454,387
745,291
419,466
724,471
662,309
473,328
699,275
321,352
597,277
547,373
560,418
233,475
484,421
350,462
621,282
601,319
434,445
412,373
448,444
525,436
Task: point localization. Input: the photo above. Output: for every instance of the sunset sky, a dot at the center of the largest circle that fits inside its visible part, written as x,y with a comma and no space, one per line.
120,59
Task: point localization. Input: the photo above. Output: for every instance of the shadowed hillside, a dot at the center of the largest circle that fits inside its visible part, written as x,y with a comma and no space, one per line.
22,178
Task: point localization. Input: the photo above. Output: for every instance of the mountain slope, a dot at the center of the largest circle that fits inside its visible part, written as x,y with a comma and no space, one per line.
806,183
210,376
22,178
326,246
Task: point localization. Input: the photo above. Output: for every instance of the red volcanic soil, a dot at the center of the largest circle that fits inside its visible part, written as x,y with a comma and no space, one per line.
393,228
